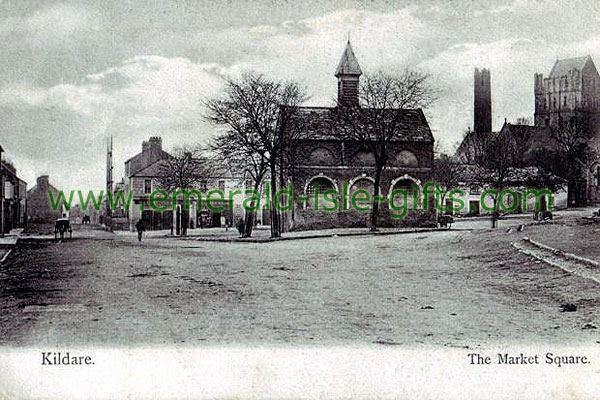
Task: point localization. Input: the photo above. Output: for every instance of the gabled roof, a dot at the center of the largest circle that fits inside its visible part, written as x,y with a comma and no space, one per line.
562,67
318,123
348,64
529,137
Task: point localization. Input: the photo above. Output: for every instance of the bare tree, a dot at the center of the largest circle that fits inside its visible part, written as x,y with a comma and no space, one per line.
183,170
228,150
572,139
496,167
377,120
473,146
251,111
447,174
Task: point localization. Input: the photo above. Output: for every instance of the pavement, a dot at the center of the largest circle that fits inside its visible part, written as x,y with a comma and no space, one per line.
8,242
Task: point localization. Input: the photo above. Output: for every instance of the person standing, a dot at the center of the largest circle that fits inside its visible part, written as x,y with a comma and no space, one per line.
139,226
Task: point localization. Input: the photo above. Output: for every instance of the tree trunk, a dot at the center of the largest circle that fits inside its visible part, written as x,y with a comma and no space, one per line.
375,202
249,224
283,215
275,231
495,214
250,217
185,220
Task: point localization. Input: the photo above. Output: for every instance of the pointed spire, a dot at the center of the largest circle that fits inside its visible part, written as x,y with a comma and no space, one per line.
348,64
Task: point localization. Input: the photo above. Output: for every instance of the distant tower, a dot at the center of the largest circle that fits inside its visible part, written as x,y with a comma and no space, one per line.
348,73
482,101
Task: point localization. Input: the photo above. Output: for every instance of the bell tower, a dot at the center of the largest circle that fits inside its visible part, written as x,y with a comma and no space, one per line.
348,73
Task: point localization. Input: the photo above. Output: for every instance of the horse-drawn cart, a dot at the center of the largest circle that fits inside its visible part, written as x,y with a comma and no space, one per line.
62,226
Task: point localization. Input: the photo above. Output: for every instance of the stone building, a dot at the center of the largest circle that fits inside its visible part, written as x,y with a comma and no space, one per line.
572,90
39,209
482,101
326,160
143,176
15,194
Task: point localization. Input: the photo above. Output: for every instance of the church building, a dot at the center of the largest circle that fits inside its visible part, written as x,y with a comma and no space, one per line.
572,90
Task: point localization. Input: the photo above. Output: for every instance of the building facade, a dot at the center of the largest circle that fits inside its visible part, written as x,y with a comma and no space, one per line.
572,90
39,208
143,177
326,160
15,195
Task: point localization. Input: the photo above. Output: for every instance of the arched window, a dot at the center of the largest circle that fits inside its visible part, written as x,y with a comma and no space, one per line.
405,190
364,157
407,158
321,156
315,190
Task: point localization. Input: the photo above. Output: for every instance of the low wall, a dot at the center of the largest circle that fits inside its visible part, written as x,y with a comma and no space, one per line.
309,219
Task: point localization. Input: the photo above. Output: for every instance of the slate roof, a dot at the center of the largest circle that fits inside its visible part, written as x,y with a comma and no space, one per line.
562,67
348,64
137,160
151,170
528,138
318,123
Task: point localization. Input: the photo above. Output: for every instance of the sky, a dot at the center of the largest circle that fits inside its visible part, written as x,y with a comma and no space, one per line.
74,72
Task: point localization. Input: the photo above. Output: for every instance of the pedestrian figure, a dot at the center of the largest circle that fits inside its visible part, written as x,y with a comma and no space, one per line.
140,229
240,226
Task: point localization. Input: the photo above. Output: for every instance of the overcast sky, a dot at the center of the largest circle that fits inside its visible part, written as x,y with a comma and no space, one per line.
73,72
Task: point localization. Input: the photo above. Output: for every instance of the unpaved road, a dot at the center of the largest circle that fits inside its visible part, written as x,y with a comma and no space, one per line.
458,289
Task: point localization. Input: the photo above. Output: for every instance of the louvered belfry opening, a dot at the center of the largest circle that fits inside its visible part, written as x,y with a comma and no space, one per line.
348,73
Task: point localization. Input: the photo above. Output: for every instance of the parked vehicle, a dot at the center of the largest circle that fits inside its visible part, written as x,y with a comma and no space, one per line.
62,226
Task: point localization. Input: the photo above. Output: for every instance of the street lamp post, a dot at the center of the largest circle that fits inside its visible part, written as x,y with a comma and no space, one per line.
1,195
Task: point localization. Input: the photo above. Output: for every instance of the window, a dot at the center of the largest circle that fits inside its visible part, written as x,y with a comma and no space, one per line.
203,186
147,186
321,185
321,156
407,158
